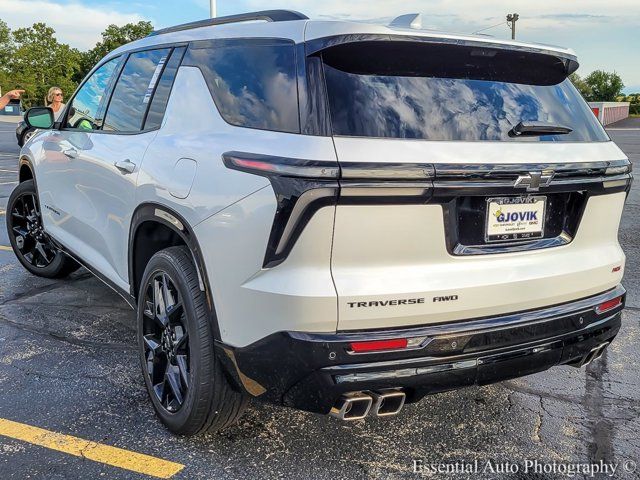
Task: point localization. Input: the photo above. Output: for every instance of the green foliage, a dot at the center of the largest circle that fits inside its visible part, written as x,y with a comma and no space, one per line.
39,61
605,86
581,85
32,58
113,37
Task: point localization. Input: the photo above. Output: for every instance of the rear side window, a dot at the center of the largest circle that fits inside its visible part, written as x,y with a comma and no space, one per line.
253,82
163,90
134,90
444,92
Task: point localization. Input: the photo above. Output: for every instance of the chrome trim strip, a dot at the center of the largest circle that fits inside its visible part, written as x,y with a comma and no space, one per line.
519,246
486,324
502,170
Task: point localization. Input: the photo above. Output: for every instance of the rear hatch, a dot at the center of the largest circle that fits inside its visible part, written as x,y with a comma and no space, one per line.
473,181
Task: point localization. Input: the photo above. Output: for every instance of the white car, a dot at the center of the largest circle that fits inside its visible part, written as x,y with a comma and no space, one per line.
331,216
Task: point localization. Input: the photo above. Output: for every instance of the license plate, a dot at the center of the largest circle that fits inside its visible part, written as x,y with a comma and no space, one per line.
515,218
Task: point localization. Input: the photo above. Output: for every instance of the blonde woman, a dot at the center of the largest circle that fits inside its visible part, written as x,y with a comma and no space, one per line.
54,100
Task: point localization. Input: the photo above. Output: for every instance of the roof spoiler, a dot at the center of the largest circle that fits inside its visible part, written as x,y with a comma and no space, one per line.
569,61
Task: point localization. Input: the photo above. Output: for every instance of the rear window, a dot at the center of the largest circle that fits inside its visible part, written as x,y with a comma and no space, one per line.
435,92
253,82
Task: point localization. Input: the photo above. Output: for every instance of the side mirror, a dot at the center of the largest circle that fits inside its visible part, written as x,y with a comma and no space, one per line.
39,117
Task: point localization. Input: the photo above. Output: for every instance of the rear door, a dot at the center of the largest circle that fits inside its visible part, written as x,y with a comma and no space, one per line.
430,163
108,168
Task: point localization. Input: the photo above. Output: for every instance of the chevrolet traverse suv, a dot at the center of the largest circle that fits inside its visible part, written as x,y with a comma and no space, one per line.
331,216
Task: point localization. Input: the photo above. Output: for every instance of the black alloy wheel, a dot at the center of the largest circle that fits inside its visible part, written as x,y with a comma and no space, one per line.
166,342
189,389
31,241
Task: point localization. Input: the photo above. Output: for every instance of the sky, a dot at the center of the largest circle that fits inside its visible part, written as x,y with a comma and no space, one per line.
604,34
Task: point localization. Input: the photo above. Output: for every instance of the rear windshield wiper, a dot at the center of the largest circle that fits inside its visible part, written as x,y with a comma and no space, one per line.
531,129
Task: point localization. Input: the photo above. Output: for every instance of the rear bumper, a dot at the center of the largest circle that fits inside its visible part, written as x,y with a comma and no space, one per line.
311,371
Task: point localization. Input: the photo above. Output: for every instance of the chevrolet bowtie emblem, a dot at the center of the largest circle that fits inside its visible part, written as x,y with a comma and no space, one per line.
532,181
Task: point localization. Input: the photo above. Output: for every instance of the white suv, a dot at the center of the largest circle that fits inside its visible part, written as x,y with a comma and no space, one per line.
332,216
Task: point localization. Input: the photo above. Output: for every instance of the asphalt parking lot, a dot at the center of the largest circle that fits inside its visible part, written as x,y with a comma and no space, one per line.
68,364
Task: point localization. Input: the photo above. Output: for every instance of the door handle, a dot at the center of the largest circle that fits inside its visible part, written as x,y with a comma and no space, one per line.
125,166
71,153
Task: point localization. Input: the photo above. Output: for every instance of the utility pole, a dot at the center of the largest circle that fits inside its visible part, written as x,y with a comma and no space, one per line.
512,18
212,8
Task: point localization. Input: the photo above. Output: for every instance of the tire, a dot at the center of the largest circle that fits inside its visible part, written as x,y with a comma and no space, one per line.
26,135
190,395
31,245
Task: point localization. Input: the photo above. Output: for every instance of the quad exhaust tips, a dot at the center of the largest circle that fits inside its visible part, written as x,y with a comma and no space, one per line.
357,405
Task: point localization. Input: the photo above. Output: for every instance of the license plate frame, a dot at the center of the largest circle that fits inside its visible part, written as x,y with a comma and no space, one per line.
522,228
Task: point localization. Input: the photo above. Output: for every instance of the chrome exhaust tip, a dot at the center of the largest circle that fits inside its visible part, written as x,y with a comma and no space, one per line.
352,406
600,351
387,402
594,354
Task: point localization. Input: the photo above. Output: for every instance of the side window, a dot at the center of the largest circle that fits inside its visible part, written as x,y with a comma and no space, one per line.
253,82
163,90
134,90
84,109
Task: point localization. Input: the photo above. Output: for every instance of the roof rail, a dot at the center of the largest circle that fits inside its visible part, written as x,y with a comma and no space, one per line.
268,15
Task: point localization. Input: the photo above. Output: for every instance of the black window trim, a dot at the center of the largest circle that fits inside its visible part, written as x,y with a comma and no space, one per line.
153,96
113,88
124,56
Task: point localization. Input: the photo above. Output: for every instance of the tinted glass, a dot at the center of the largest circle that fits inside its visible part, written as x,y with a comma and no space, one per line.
469,96
83,112
253,83
161,95
134,90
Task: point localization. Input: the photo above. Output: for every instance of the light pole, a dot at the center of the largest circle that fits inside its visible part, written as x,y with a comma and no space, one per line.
212,9
511,18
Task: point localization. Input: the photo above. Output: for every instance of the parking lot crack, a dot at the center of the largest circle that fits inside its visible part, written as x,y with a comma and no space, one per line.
43,289
65,337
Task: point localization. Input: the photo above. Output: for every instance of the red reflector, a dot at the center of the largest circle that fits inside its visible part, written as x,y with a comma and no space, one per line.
377,345
616,269
609,305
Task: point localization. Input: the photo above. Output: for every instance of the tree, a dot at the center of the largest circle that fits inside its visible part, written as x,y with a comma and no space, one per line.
38,61
6,47
605,86
112,38
581,85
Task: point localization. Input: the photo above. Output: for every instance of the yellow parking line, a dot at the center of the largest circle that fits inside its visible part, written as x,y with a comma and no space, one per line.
6,249
117,457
